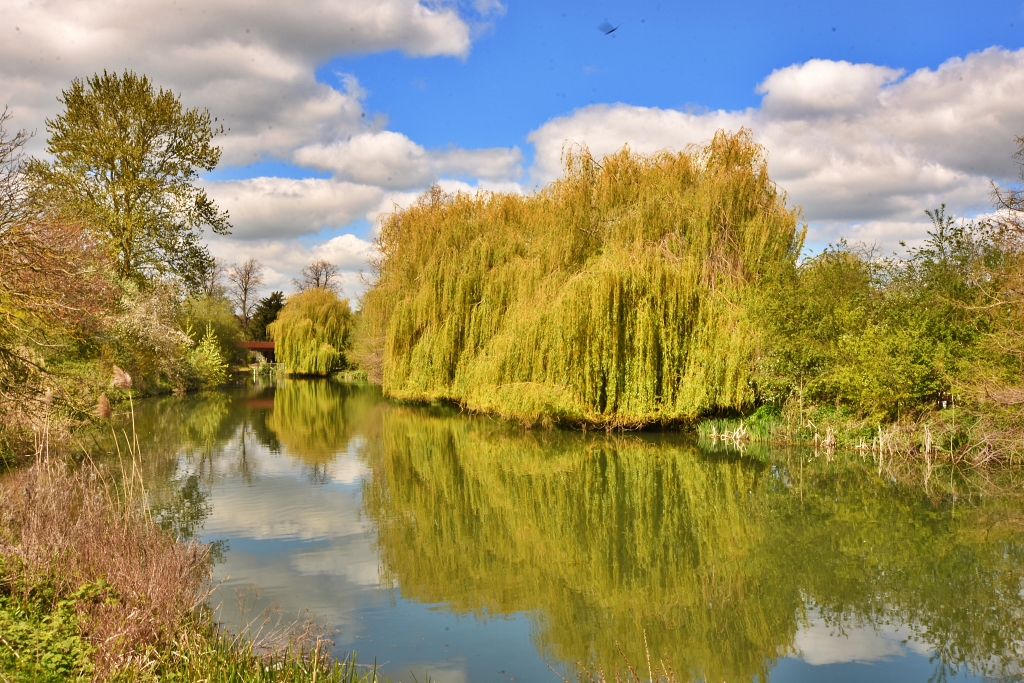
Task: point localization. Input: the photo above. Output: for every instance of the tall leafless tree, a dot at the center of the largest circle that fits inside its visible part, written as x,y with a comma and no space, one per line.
211,281
1010,200
14,204
319,274
246,282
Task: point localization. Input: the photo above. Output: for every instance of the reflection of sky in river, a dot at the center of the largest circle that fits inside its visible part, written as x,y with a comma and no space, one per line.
297,532
307,546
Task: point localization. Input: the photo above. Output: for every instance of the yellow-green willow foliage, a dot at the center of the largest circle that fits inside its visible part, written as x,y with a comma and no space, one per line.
311,333
615,296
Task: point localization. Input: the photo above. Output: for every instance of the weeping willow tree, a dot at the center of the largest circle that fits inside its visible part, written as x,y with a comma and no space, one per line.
311,333
617,296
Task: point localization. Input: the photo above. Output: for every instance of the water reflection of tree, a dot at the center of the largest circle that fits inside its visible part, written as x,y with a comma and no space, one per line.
718,560
313,420
180,440
188,443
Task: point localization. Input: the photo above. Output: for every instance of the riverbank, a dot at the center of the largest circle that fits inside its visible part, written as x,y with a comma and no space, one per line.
948,436
91,588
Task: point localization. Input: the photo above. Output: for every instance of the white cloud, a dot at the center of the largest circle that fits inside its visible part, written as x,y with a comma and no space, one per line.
820,644
862,148
271,214
393,160
266,208
251,63
282,259
823,87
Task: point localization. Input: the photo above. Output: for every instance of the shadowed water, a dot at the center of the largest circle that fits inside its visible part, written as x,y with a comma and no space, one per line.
471,550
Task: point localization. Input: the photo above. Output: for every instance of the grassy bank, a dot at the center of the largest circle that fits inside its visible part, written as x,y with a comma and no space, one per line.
92,589
944,436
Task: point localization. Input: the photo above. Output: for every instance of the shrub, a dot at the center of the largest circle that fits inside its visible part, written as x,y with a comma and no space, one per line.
208,365
214,314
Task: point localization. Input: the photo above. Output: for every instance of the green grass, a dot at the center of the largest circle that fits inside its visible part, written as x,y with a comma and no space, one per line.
42,643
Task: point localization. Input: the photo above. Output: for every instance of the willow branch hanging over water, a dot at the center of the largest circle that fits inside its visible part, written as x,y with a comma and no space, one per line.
616,296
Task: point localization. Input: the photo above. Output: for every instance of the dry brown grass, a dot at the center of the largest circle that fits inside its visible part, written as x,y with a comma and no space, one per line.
63,527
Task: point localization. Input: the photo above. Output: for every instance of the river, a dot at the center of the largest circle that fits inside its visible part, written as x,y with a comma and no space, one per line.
466,549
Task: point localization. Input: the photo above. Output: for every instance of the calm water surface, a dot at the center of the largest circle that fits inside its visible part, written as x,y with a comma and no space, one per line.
471,550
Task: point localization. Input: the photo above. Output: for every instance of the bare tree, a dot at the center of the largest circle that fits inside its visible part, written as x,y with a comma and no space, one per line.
319,274
211,281
14,203
246,282
1010,200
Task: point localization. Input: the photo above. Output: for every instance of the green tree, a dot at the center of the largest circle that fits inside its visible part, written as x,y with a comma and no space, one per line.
206,314
265,313
125,161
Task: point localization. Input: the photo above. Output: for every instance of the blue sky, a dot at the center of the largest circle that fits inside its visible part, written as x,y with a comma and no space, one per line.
341,110
544,59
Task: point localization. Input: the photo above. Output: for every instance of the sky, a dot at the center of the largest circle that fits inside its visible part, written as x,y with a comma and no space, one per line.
342,110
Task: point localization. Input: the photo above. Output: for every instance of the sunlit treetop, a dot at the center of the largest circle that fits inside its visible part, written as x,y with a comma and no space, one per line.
126,156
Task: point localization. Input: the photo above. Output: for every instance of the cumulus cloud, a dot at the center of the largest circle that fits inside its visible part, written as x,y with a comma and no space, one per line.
251,63
283,258
271,208
863,148
392,160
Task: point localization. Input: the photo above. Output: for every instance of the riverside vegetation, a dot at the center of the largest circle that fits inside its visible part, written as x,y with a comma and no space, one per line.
102,272
669,289
664,290
102,265
92,588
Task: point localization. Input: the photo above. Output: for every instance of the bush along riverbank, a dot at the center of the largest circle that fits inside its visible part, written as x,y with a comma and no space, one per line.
92,589
661,290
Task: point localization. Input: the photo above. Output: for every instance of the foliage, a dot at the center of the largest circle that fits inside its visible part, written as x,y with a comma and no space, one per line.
617,296
92,589
266,312
54,292
876,337
207,361
312,332
203,313
144,337
43,643
64,529
125,162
